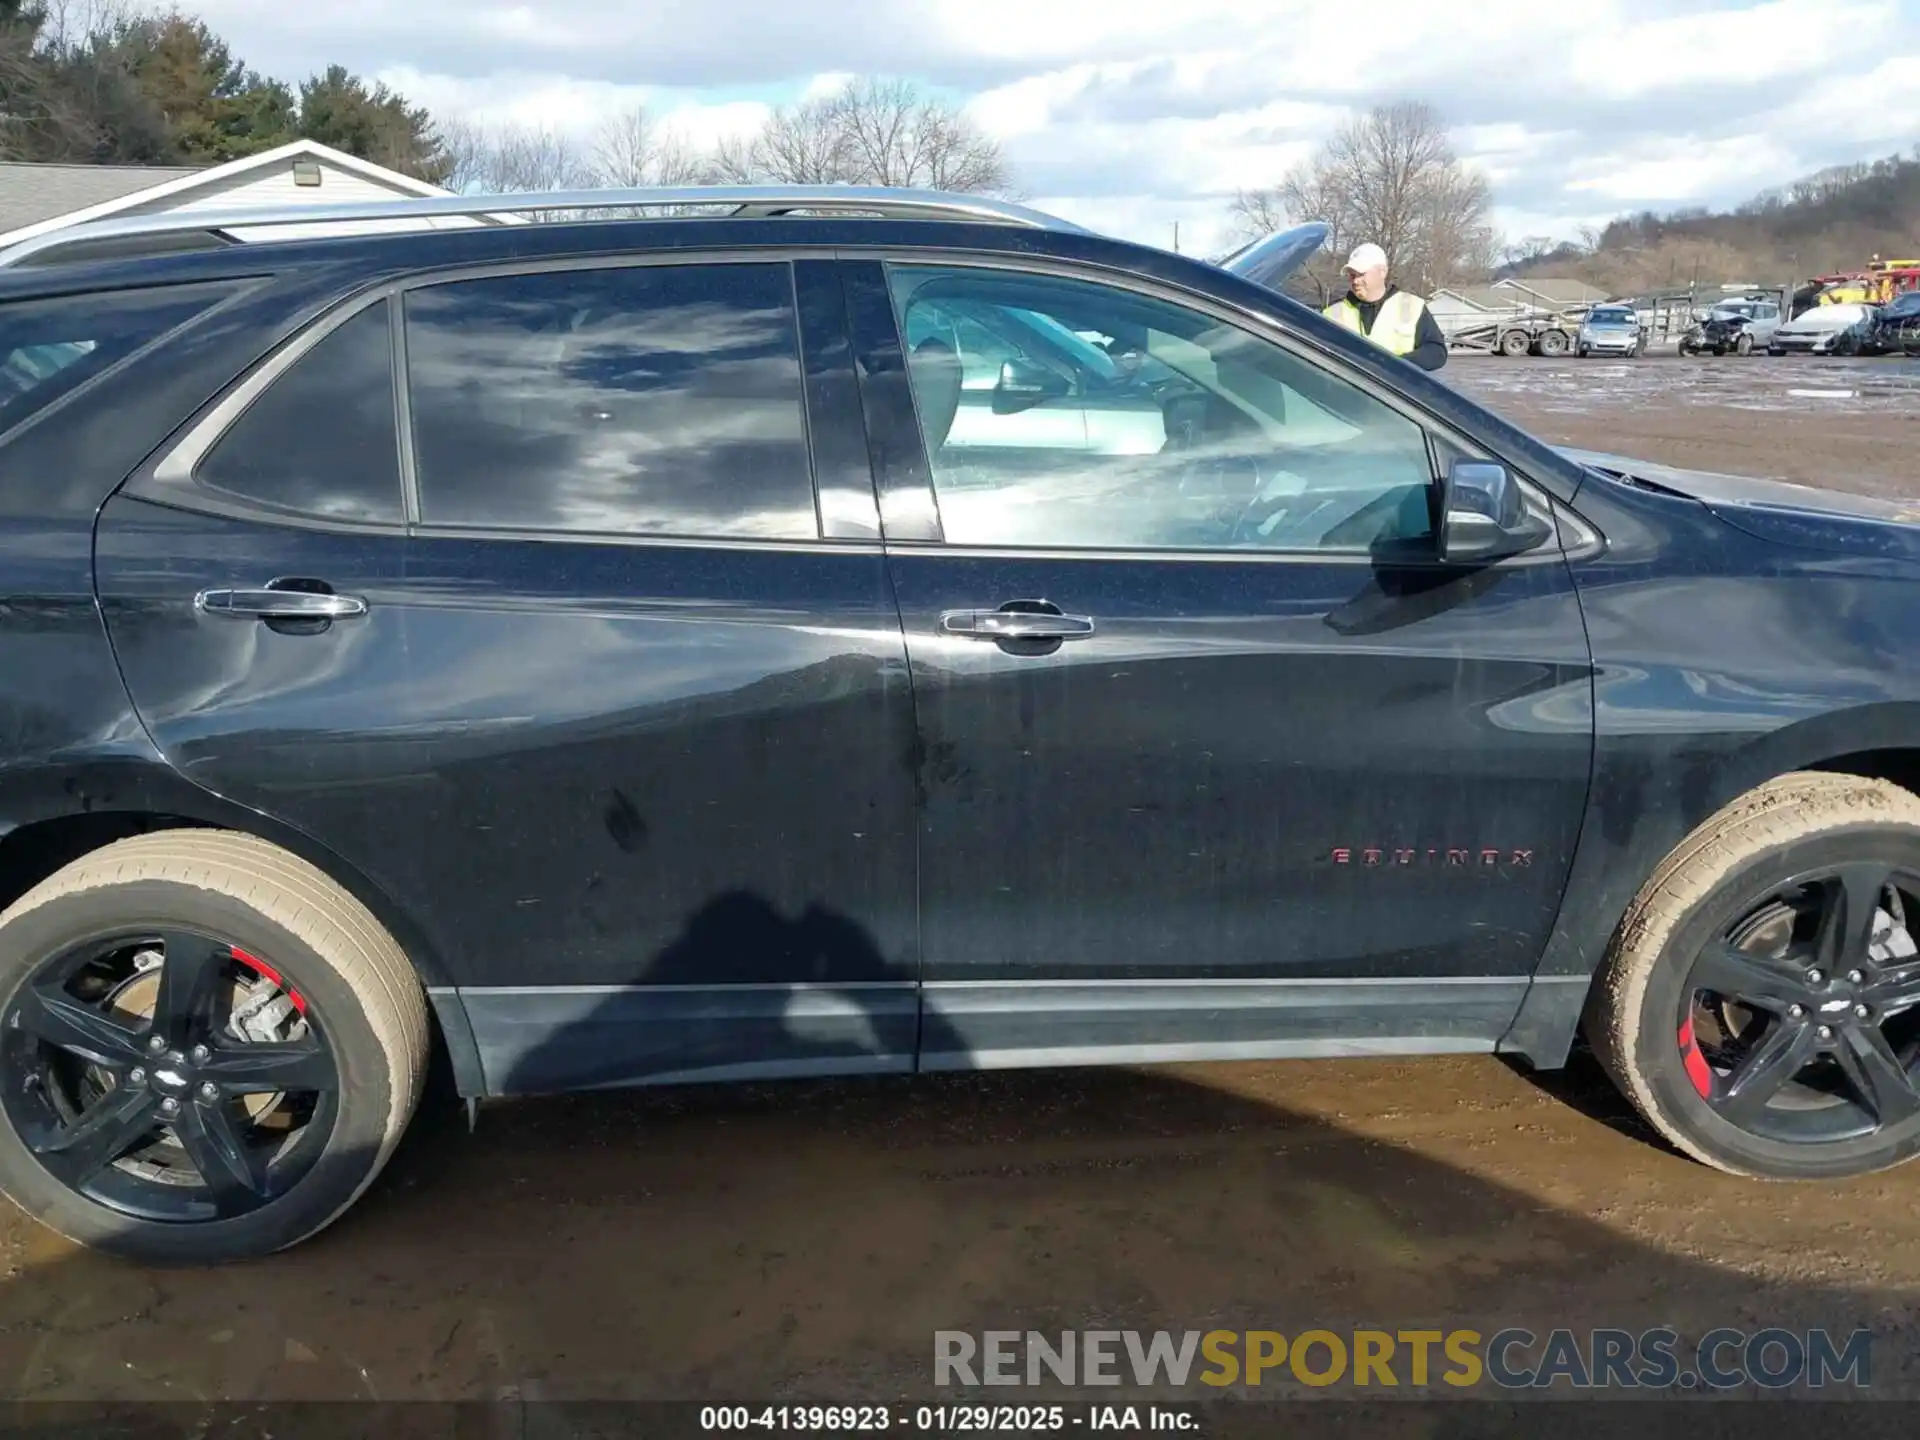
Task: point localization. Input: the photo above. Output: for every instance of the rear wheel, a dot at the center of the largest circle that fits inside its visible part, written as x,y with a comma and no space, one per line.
208,1048
1515,342
1761,1006
1553,342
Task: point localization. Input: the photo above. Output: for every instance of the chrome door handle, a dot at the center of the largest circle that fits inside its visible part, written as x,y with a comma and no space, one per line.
268,604
1015,625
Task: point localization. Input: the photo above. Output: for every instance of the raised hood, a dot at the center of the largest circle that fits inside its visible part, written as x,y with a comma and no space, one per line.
1272,259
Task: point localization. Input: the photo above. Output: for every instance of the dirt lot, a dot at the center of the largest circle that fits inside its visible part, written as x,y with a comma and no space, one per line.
808,1239
1849,424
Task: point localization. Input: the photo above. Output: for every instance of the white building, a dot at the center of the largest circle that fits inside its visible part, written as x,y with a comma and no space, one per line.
38,198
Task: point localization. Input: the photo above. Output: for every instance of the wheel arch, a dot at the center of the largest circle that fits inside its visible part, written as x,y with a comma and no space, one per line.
1879,741
39,836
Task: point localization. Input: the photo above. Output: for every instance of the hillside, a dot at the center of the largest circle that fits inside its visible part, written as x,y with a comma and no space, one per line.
1829,222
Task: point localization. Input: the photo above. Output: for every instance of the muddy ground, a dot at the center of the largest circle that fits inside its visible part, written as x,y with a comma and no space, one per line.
1850,424
807,1240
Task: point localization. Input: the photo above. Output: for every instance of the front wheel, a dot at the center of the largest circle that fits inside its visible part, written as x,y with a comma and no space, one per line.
1743,345
1761,1005
208,1048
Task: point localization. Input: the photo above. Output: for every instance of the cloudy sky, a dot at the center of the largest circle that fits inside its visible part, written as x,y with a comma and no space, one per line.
1130,116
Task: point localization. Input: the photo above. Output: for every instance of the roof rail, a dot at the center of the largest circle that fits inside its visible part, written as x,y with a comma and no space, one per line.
744,201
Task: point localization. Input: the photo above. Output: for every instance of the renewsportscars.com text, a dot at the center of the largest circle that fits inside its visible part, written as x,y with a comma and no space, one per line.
1511,1358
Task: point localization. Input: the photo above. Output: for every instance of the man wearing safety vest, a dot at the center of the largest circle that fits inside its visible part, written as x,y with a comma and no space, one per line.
1386,314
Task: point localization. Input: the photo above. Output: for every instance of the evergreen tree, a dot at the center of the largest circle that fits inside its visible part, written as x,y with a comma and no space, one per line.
338,108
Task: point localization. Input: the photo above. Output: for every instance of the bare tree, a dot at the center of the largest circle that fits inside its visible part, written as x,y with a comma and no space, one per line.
513,158
1258,212
69,23
1527,249
893,134
800,144
632,150
872,132
1391,176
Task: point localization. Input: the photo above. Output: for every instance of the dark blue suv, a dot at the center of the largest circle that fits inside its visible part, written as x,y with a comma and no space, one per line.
724,647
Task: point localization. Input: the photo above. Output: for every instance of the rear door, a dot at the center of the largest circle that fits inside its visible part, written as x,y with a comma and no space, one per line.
552,642
1218,759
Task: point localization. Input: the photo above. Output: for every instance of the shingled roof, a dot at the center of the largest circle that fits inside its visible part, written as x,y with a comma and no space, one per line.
30,193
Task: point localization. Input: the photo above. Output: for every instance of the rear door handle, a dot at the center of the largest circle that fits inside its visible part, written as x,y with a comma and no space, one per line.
1015,625
266,604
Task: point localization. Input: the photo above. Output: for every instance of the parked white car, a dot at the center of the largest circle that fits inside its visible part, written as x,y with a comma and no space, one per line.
1823,330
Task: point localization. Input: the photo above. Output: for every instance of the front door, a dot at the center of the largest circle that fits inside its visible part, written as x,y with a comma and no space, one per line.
605,712
1217,760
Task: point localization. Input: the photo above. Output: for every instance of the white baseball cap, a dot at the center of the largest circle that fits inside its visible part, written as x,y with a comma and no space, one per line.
1365,257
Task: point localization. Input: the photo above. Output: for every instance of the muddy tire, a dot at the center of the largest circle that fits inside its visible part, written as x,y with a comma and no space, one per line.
1515,343
1553,343
1760,1005
254,1039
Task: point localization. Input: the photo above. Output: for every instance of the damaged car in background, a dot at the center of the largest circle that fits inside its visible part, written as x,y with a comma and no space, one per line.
1733,327
1896,329
1826,330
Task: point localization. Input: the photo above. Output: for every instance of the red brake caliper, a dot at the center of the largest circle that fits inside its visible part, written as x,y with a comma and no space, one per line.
272,974
1690,1057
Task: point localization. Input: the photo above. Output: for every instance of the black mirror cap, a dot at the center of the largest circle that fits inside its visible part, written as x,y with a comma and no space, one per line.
1484,515
1023,385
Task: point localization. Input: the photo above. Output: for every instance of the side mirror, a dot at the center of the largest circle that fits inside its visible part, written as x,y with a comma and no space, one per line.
1484,515
1024,385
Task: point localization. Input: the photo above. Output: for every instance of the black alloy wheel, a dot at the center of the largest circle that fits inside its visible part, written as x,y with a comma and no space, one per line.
167,1075
1800,1019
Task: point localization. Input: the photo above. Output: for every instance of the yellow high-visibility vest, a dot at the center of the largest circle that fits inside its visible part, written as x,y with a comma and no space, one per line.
1395,326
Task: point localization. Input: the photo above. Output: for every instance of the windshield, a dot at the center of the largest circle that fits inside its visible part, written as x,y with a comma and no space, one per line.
1611,317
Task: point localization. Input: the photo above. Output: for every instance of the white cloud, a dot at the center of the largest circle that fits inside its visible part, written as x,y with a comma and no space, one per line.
1131,115
573,107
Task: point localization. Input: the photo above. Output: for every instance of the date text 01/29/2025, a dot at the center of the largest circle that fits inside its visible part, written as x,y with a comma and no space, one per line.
953,1419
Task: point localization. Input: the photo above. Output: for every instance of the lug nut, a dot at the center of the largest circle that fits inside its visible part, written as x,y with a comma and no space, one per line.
200,1053
169,1106
1861,1012
1856,976
1794,1012
136,1076
1826,1032
209,1091
1815,977
156,1043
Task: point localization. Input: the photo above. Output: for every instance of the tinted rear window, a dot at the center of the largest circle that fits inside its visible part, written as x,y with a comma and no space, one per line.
660,400
50,348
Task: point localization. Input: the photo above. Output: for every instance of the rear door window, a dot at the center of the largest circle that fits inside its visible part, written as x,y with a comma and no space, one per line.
658,400
50,348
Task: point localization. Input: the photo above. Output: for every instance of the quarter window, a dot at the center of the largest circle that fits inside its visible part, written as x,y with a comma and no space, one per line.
660,400
1060,413
321,440
49,348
